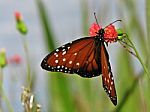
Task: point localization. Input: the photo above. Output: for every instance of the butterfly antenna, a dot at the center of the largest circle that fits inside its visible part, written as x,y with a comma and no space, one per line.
96,18
118,20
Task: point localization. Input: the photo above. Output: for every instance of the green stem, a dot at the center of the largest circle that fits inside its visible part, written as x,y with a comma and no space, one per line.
1,82
2,94
139,58
28,63
148,27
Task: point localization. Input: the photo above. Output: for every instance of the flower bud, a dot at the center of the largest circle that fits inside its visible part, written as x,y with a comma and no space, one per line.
3,61
121,35
20,24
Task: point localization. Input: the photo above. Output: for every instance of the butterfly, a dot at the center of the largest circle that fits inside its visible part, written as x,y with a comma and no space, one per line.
87,57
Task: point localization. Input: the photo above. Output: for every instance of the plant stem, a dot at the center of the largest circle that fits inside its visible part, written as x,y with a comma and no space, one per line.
139,58
1,82
28,63
148,27
2,94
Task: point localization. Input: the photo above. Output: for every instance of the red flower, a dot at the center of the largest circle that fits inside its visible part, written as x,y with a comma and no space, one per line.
94,29
110,34
15,59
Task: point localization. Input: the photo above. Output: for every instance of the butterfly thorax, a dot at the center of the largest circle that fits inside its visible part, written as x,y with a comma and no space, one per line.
100,35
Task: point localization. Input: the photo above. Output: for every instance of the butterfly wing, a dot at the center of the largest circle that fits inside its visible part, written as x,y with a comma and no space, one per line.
107,77
75,57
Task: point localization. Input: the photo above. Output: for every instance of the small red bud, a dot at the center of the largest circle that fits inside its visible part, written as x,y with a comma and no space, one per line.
18,16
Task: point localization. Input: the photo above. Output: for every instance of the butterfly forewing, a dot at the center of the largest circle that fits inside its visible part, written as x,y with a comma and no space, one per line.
107,77
75,57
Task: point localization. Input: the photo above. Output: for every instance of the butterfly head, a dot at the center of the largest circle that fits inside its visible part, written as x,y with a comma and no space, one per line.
101,32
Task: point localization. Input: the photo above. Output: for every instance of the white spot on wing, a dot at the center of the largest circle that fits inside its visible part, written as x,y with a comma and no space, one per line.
108,80
70,62
109,75
56,61
111,82
57,50
64,53
55,53
63,49
63,46
64,59
61,70
75,53
110,88
77,64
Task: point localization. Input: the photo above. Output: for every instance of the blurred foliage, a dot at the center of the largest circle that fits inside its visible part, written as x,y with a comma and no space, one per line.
60,84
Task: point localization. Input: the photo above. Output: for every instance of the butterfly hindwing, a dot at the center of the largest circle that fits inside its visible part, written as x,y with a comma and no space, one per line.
107,77
75,57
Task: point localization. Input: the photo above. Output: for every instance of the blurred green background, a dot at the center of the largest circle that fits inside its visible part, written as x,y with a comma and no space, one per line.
52,23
